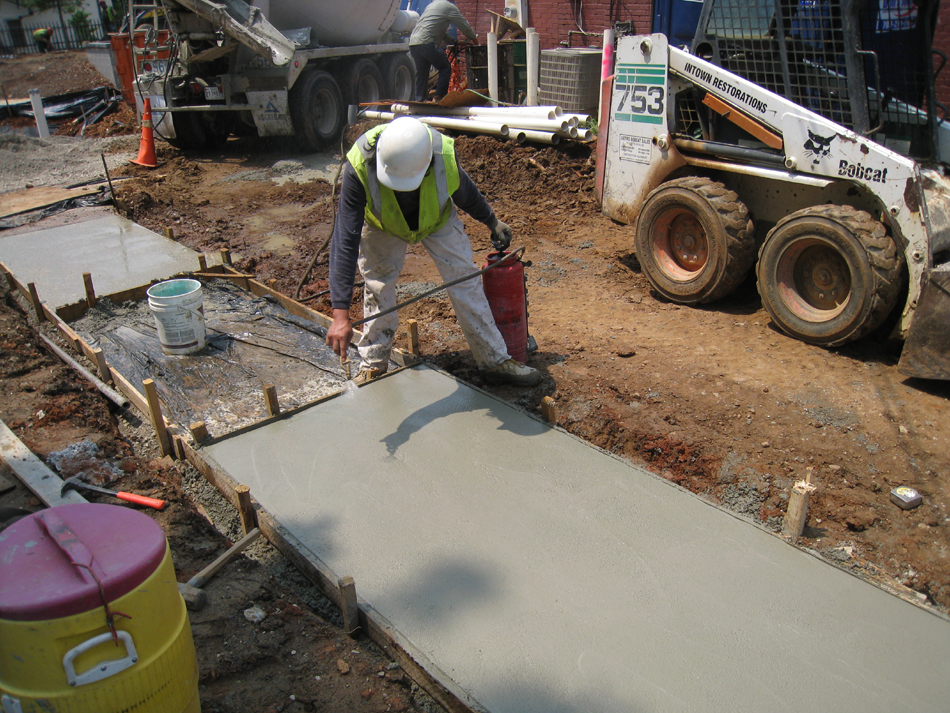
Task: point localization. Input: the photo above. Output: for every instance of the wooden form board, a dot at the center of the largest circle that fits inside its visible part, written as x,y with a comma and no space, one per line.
34,474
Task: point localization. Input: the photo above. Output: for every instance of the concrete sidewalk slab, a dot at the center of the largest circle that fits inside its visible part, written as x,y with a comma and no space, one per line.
119,254
542,574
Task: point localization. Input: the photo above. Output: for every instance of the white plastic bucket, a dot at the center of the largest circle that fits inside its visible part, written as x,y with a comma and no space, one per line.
177,308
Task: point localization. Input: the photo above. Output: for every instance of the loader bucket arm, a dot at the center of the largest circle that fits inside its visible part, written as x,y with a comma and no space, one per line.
247,25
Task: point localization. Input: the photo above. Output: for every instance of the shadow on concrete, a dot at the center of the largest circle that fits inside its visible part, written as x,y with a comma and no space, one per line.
508,419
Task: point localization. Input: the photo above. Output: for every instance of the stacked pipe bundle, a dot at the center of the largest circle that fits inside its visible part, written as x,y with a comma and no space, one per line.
542,124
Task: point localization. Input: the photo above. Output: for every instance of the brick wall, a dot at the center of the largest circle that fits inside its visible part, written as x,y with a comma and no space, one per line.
553,19
942,43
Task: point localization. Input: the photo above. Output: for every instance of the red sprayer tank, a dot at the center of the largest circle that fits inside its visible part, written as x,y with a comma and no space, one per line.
507,297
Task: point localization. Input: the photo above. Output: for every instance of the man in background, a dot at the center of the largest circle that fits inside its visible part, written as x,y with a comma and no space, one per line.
44,39
425,46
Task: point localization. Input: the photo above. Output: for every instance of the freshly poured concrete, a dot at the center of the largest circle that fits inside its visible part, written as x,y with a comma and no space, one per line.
541,574
119,254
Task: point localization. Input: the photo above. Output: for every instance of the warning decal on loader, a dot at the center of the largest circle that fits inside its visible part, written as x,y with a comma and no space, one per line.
642,93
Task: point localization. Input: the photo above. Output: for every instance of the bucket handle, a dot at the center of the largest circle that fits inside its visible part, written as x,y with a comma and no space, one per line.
104,669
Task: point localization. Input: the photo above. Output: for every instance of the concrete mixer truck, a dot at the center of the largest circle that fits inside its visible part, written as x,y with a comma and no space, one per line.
276,68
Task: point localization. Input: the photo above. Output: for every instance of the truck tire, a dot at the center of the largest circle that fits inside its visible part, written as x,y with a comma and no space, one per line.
694,240
399,76
202,130
829,274
316,109
363,82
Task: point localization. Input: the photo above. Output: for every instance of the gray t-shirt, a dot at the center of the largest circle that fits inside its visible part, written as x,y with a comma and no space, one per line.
436,20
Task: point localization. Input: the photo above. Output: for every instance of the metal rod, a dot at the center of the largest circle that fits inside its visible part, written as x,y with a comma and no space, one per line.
507,258
107,391
712,148
106,167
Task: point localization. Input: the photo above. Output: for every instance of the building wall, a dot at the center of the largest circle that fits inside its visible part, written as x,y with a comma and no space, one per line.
553,19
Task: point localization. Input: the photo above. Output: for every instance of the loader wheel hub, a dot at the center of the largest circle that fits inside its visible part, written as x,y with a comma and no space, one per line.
684,247
821,277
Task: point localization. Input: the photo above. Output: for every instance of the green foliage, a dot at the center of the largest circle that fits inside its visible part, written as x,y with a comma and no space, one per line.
79,21
40,5
592,125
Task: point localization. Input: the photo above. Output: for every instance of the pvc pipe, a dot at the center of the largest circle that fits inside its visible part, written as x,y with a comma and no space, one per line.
579,118
533,51
449,122
535,112
106,390
39,114
493,66
542,137
527,122
583,134
607,56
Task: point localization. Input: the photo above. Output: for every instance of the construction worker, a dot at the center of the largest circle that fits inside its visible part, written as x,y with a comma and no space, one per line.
401,185
106,17
44,39
425,46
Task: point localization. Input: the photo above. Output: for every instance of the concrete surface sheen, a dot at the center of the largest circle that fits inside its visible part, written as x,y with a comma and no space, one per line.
544,575
119,254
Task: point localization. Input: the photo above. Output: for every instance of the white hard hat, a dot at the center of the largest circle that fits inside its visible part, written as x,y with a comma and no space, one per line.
403,154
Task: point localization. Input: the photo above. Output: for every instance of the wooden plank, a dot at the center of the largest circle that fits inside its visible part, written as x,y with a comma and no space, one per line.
744,122
246,508
35,302
124,386
351,609
199,431
34,474
29,199
90,289
155,413
270,400
412,332
549,410
200,579
100,359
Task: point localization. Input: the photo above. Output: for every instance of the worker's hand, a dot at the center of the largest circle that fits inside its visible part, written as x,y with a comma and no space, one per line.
500,235
340,332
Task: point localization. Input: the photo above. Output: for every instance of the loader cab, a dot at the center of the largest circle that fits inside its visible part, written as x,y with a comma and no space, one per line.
862,64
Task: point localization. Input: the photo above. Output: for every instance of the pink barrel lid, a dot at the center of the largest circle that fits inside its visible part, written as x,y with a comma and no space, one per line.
38,580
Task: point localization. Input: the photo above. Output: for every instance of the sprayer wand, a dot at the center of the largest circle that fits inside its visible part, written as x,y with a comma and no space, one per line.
515,254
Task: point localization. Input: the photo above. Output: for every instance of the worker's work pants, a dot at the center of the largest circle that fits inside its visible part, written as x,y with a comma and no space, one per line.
424,57
380,261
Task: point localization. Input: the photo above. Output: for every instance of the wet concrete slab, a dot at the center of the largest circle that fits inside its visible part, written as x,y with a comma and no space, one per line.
119,254
541,574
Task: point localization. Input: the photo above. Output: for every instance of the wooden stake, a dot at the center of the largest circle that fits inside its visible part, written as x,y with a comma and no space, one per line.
351,609
225,256
104,372
35,301
90,290
155,412
248,516
549,410
170,233
412,331
270,397
11,281
797,513
199,431
202,262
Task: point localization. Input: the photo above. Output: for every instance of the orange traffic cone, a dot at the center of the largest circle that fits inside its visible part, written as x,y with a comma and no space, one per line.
147,144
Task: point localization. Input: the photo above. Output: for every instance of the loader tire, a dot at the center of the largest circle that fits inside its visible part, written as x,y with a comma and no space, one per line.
829,274
316,109
363,83
399,76
694,240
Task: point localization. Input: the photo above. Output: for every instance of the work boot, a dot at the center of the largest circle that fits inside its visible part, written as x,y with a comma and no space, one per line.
512,372
366,375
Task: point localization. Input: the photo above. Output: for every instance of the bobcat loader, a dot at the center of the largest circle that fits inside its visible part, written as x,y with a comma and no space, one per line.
788,170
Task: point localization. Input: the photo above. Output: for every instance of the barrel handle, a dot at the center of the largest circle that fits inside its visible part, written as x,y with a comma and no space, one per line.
104,669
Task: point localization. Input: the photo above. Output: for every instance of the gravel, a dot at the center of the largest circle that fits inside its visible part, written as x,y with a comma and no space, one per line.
59,160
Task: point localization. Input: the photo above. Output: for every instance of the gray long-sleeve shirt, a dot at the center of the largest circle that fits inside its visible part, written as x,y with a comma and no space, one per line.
350,214
436,20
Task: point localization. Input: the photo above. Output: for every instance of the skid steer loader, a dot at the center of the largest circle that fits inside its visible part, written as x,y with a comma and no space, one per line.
785,141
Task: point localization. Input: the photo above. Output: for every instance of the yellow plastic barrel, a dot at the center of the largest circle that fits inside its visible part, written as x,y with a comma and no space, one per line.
63,573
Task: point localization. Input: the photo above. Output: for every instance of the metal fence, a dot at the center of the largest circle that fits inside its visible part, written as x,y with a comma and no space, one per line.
19,40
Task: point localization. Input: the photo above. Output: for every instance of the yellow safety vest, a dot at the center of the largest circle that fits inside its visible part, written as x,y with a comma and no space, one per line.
435,198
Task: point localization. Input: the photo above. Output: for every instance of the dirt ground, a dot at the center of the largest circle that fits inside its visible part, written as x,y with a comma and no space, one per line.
713,398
